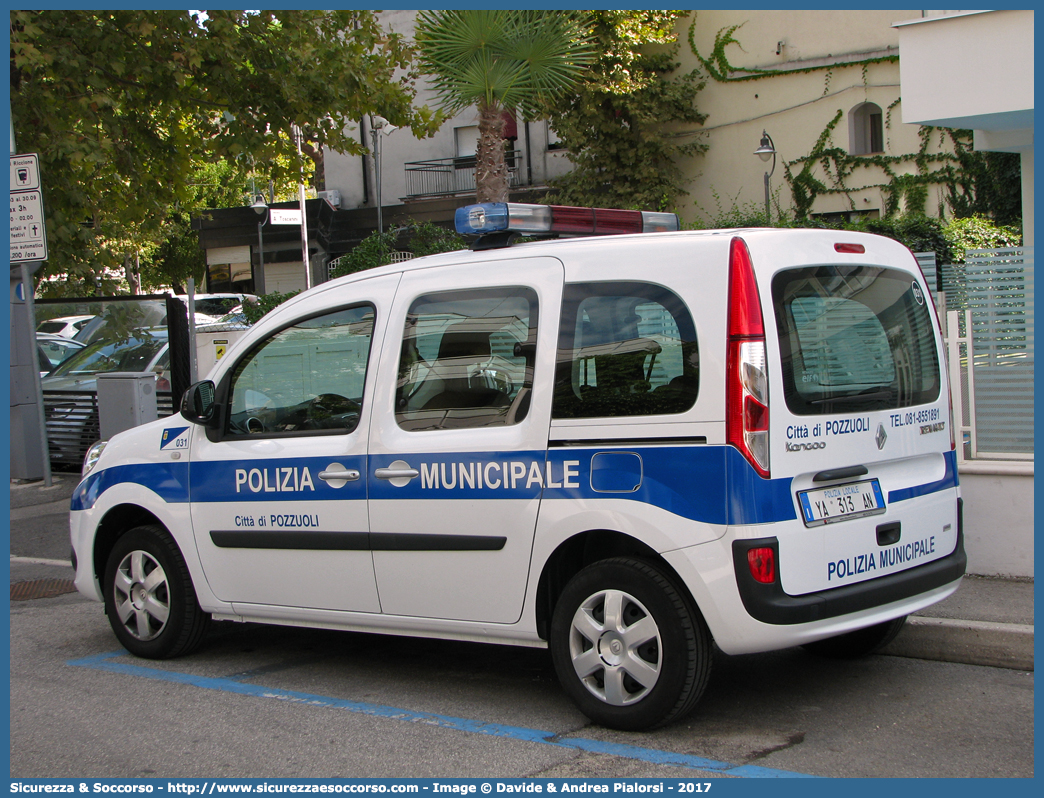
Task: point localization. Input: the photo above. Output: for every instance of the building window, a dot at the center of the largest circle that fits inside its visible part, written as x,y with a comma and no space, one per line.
553,141
865,129
465,140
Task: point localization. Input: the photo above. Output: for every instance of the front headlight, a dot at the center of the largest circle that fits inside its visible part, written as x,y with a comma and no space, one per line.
92,457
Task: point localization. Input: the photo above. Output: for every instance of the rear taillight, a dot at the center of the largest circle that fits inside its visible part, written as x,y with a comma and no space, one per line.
762,563
746,394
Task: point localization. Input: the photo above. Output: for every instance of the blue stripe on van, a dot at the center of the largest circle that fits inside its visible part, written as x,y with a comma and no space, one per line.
710,484
168,480
949,480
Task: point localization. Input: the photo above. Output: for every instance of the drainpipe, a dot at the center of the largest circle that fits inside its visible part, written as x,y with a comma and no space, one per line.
529,159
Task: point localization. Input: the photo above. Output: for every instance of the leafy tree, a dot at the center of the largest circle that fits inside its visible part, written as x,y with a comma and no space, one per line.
374,250
178,256
418,238
618,126
266,303
985,183
976,232
500,60
123,106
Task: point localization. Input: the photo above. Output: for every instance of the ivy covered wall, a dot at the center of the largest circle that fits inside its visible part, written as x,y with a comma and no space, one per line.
801,76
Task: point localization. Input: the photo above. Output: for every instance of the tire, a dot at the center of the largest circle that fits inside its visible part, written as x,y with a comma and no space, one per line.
859,643
643,663
149,597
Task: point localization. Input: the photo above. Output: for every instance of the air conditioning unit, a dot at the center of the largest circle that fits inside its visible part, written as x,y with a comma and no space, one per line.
333,196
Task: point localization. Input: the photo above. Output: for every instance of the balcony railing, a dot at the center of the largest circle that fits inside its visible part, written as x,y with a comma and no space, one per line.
446,176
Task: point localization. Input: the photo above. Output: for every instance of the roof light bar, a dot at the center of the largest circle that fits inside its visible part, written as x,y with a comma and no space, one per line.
496,217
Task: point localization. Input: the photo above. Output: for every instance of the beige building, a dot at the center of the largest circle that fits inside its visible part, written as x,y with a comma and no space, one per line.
821,84
814,81
974,69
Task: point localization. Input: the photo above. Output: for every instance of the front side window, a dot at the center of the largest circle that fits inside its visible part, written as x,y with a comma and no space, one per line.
854,338
307,377
467,359
624,349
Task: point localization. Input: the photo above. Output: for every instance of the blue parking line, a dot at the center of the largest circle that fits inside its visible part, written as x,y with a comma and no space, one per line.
107,662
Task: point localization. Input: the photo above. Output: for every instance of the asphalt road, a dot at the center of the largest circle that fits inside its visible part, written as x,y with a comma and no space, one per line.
260,701
282,702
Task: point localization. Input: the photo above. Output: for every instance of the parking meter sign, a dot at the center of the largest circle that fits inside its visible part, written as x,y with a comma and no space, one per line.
28,232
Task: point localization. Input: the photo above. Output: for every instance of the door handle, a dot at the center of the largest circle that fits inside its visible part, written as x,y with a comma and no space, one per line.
396,473
347,476
841,473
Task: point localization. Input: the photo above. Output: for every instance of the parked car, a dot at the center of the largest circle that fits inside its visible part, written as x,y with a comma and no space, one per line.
70,391
150,313
53,349
65,326
217,304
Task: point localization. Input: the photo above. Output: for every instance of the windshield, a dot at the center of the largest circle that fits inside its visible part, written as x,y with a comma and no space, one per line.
132,355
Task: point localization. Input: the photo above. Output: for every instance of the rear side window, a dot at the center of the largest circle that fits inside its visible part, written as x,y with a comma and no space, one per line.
624,349
467,359
854,338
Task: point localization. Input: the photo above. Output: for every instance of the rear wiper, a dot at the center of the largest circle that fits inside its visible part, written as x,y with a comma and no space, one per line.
870,393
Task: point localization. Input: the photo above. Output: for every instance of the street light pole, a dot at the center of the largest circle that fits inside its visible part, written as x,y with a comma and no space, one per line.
765,151
379,125
298,136
260,207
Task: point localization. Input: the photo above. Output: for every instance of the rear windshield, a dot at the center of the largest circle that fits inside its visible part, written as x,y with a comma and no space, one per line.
854,338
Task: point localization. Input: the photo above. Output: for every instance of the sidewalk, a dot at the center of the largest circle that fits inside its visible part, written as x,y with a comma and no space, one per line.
988,621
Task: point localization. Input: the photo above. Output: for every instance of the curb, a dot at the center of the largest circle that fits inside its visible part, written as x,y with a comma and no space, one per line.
996,645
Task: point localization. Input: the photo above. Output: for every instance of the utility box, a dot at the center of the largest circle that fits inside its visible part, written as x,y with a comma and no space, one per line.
126,399
210,348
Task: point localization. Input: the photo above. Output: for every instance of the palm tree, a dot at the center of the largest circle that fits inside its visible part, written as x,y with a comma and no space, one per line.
500,61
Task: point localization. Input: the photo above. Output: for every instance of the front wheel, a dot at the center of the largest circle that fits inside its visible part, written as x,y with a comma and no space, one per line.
628,647
149,598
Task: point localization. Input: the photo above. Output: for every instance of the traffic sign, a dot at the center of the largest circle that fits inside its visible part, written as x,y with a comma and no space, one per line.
28,232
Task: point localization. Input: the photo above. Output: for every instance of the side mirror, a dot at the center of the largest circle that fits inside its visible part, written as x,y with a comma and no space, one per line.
197,405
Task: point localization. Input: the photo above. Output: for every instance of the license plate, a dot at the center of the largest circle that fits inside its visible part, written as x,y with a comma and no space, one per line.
841,502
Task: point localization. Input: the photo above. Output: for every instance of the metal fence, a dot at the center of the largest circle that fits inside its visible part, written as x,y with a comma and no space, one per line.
72,424
988,303
442,176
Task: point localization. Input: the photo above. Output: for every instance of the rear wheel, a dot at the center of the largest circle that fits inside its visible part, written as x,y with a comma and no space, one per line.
859,643
149,596
629,648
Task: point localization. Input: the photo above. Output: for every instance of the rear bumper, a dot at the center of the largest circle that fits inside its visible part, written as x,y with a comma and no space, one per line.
769,604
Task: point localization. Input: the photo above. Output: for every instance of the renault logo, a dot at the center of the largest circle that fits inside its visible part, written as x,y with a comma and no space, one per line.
881,437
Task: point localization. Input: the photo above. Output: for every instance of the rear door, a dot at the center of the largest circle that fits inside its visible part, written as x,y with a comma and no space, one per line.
459,438
859,417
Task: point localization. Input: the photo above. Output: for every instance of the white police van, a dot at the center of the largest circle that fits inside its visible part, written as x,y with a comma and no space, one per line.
626,448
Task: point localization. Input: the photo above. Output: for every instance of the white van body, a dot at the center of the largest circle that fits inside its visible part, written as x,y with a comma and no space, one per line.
420,515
